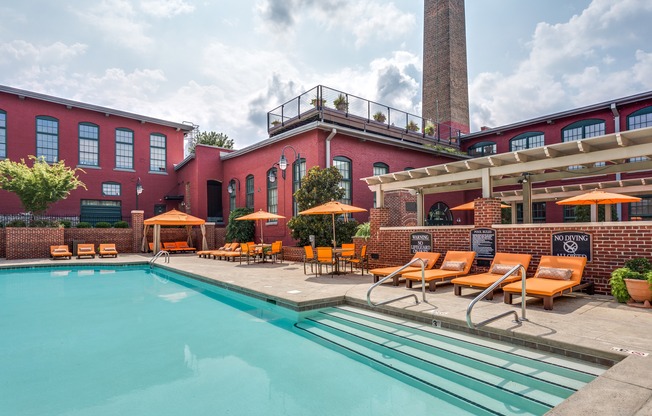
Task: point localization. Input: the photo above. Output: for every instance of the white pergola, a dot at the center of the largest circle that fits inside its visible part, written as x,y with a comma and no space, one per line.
587,159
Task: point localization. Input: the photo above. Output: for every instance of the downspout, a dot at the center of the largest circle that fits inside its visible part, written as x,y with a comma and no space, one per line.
616,114
328,147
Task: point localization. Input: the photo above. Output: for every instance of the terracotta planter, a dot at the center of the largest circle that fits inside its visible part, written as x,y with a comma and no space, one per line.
639,290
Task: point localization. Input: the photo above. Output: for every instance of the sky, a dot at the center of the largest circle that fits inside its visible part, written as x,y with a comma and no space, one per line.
223,64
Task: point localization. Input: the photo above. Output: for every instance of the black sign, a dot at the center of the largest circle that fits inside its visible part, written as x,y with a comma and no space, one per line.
483,242
572,244
420,242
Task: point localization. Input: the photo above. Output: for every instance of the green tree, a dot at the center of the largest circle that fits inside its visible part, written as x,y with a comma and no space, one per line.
211,138
240,231
318,187
40,185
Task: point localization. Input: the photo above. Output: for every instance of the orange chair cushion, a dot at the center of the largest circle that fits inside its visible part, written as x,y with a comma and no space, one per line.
549,287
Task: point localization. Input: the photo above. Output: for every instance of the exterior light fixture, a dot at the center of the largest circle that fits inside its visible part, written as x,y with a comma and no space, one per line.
283,162
139,190
231,188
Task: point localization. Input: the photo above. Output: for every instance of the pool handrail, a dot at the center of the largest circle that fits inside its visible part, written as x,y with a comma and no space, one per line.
469,309
159,254
391,276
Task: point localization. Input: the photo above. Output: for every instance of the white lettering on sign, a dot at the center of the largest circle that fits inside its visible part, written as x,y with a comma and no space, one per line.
571,237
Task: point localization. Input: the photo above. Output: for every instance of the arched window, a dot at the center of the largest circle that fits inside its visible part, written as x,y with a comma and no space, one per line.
343,164
439,214
250,191
482,149
298,172
639,119
583,129
272,192
526,141
3,134
47,138
89,144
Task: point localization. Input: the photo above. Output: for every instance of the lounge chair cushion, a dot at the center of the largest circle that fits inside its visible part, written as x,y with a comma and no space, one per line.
453,265
554,273
60,250
501,268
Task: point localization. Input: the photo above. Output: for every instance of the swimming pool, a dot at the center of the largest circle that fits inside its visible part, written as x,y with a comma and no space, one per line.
127,340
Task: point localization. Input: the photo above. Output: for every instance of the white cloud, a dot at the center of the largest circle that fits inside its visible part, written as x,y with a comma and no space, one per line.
166,8
19,51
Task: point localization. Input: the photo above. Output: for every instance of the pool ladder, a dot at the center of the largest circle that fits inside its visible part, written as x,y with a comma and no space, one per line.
391,275
490,289
164,253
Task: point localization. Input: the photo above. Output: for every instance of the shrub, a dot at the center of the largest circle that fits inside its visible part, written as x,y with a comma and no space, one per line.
16,223
102,224
363,230
638,268
121,224
640,265
65,223
83,225
240,231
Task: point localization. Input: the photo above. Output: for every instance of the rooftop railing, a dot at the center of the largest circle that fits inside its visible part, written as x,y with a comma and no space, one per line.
338,107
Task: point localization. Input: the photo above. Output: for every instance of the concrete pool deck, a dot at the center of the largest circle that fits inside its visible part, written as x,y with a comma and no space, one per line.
588,327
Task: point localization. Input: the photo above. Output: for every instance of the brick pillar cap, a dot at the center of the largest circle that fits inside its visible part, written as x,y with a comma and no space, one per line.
137,211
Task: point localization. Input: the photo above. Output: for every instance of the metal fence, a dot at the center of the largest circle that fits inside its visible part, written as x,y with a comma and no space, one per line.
67,221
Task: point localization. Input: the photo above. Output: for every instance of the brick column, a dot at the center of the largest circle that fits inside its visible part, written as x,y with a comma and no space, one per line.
402,206
487,212
137,224
210,235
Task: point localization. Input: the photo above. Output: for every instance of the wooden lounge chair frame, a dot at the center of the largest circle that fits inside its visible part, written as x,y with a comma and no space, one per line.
85,250
548,289
60,252
430,257
170,247
108,250
433,276
484,280
183,247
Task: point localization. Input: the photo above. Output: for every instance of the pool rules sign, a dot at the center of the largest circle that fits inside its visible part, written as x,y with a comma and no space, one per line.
572,244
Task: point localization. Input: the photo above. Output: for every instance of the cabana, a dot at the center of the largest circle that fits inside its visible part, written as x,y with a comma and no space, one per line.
172,217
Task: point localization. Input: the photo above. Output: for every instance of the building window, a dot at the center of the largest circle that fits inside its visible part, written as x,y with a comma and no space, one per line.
409,168
380,168
124,149
639,119
569,213
3,134
538,212
298,172
272,192
583,130
89,144
482,149
47,138
233,195
111,189
526,141
157,153
641,210
343,164
250,191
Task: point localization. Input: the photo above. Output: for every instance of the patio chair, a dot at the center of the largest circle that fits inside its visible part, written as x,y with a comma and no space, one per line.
500,265
347,253
361,261
276,251
183,247
108,250
85,250
60,252
429,257
249,252
555,276
455,264
325,258
308,258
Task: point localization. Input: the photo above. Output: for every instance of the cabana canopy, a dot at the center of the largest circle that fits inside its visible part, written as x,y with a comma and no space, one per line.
173,218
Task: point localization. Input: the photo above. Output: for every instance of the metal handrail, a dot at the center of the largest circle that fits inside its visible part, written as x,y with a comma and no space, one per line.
391,275
159,254
490,289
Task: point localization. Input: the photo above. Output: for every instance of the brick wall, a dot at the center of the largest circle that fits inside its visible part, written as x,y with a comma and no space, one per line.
29,243
3,243
121,237
395,202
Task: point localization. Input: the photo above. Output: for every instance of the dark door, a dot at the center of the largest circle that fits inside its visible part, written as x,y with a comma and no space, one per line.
214,201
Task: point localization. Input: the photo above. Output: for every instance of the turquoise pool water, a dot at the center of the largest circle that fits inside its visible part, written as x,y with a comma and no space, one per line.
130,341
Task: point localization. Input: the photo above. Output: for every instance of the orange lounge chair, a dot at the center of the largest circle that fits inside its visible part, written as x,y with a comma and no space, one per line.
108,250
60,252
170,247
183,247
555,276
430,259
455,264
500,265
208,253
85,250
230,250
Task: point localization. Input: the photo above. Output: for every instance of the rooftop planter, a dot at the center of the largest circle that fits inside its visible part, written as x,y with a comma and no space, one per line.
341,103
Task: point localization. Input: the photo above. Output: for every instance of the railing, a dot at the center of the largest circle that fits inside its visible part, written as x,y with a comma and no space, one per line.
159,254
490,289
391,275
322,99
27,219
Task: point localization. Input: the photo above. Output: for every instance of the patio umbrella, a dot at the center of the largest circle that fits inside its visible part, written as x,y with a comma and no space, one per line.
259,216
600,197
470,206
333,208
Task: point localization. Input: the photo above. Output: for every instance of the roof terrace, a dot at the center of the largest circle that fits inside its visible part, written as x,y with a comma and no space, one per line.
340,108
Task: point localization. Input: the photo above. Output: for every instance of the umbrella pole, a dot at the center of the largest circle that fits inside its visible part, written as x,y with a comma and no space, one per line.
334,242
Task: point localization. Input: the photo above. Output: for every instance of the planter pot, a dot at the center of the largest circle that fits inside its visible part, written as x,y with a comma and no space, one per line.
639,290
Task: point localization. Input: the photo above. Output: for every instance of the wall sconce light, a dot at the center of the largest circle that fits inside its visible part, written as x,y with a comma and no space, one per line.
231,188
458,220
525,177
272,175
283,162
139,190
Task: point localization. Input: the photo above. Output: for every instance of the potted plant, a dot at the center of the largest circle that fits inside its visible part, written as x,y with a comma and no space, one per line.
412,126
275,123
341,103
633,283
379,117
316,102
429,129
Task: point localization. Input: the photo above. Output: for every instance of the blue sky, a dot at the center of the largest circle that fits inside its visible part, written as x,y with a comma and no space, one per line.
223,64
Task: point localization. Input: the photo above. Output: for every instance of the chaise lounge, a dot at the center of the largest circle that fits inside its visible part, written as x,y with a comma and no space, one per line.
500,265
108,250
183,247
85,250
555,276
428,257
60,252
455,264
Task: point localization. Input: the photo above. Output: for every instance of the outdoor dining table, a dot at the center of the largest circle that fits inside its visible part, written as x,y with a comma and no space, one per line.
262,247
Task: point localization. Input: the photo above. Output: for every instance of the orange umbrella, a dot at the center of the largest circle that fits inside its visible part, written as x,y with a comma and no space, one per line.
333,208
470,206
259,216
598,197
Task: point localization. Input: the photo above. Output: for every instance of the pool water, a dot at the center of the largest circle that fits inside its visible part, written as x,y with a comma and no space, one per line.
130,341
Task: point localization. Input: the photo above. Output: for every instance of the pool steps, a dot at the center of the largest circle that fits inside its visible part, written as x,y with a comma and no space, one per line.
482,375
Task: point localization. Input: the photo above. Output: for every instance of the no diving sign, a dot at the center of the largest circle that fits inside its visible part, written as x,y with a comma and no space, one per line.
572,244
